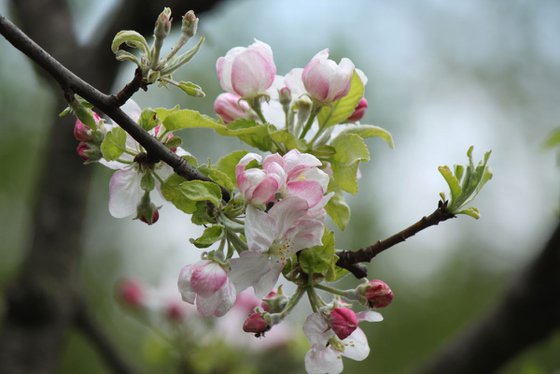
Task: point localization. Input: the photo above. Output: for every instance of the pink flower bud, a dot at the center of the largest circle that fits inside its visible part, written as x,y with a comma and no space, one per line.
256,324
274,302
359,111
247,72
151,221
378,294
131,293
343,322
324,80
229,107
82,132
174,312
207,278
82,150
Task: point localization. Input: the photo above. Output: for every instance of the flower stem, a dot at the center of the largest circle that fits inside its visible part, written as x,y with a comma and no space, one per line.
334,291
309,123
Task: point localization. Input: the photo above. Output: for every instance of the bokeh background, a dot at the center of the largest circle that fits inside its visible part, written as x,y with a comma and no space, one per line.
442,76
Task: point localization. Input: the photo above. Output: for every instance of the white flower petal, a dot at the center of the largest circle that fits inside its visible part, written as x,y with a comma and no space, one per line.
184,284
317,330
356,346
248,269
369,316
319,360
259,230
124,192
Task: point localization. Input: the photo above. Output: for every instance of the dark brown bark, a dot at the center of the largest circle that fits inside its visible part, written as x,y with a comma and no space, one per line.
528,313
40,302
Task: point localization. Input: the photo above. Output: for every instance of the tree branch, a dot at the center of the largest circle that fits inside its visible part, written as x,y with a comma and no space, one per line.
71,83
528,313
84,322
351,260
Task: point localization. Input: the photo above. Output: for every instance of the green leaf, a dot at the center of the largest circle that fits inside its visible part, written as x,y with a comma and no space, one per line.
350,151
217,176
130,38
319,259
338,210
335,273
201,214
250,132
340,110
197,190
473,212
191,89
210,235
148,119
369,131
323,152
350,148
553,140
173,193
345,177
114,144
228,163
189,119
452,182
287,138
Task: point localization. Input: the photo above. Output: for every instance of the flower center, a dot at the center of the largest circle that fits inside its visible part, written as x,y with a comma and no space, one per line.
280,250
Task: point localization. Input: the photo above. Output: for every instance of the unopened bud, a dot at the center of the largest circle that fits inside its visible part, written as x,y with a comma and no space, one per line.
82,132
190,24
285,96
131,293
88,152
256,324
174,312
163,24
146,211
377,293
343,321
360,110
274,302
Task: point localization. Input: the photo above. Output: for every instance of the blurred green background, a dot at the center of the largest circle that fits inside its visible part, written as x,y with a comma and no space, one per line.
442,76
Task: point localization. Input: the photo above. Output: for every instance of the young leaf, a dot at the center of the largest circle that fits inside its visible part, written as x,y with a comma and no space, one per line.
114,144
228,163
189,119
148,119
319,259
210,235
172,192
217,176
369,131
197,190
340,110
191,89
132,39
338,210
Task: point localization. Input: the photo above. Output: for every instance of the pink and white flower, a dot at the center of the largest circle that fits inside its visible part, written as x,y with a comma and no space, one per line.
325,80
272,239
294,174
125,191
230,107
327,349
247,72
207,285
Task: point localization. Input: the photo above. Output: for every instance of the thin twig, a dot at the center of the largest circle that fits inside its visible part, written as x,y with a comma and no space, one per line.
351,260
85,323
130,89
71,83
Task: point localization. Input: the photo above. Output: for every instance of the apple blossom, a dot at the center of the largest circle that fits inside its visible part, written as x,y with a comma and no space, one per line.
207,284
377,293
256,324
327,349
324,80
273,237
360,110
247,72
131,293
294,174
343,321
230,107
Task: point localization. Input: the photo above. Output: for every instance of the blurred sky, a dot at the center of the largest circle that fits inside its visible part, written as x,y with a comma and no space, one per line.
442,76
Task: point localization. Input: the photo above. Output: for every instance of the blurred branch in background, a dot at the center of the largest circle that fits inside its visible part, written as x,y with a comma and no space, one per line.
40,304
528,314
